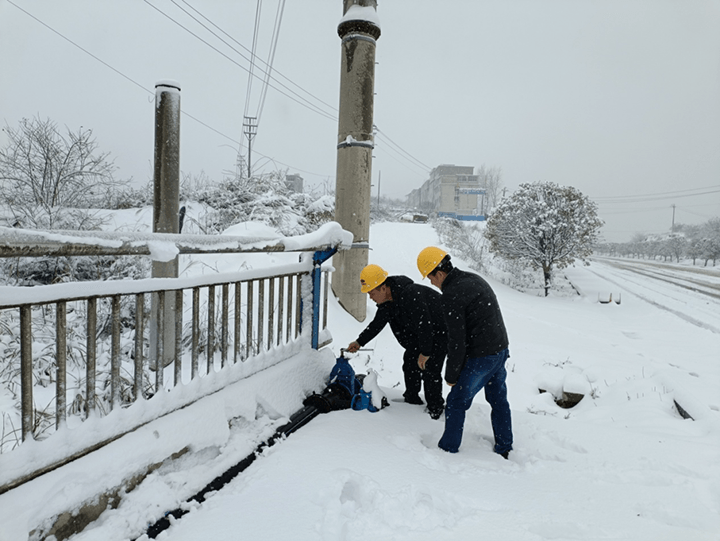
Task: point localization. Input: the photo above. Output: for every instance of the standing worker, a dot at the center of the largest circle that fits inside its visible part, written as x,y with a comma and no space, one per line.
477,349
415,317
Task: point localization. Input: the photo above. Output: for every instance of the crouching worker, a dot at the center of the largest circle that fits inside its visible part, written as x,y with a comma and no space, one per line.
477,349
413,311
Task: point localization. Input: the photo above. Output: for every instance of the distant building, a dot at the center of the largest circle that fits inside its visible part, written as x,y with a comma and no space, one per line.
294,183
451,190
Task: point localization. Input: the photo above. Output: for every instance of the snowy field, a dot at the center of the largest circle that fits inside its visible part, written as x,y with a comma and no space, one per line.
622,464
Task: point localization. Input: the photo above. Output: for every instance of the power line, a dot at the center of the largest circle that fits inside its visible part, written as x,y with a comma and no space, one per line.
410,157
393,147
633,211
79,47
268,73
331,107
305,103
639,198
253,55
183,112
271,56
404,164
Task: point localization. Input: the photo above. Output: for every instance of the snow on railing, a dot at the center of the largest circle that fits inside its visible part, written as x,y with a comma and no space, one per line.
101,360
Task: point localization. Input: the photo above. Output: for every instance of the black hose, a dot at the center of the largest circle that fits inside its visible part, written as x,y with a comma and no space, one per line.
297,421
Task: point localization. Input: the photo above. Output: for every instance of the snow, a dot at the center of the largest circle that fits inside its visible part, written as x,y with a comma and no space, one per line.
622,464
361,13
329,234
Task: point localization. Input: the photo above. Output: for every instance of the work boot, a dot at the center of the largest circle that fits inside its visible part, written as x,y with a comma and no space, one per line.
505,455
435,413
414,399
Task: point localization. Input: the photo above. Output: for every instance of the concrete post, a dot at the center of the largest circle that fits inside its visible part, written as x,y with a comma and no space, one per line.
358,29
166,206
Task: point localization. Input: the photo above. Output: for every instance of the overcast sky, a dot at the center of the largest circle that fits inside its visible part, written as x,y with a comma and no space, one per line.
619,98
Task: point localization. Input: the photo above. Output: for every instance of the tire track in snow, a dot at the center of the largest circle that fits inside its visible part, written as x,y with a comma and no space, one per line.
669,278
681,315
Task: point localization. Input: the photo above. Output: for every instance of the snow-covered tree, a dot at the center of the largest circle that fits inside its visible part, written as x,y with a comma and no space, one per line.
545,225
710,241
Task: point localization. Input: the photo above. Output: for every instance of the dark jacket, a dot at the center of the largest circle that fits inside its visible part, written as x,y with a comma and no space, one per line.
414,314
474,322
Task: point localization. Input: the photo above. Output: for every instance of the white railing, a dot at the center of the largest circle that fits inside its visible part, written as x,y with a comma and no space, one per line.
103,358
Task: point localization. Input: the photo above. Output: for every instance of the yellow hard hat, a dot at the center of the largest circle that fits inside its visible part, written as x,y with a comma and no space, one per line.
371,277
428,259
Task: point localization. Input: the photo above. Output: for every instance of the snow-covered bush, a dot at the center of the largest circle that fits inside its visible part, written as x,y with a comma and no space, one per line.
264,198
463,238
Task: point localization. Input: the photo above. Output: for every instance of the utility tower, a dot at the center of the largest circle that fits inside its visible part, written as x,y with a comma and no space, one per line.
250,129
359,30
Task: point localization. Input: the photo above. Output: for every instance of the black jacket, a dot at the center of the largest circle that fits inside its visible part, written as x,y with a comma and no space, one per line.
414,314
474,322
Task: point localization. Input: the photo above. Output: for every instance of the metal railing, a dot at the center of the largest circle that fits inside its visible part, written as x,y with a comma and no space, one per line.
219,320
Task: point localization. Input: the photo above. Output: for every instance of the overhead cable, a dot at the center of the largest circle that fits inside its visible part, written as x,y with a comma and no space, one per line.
271,56
253,55
639,198
275,71
80,47
300,100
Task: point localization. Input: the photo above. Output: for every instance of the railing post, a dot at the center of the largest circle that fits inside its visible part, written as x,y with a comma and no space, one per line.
249,316
281,308
271,313
195,332
319,258
237,320
91,356
225,321
210,350
115,354
139,341
178,335
288,329
61,359
261,314
26,375
160,342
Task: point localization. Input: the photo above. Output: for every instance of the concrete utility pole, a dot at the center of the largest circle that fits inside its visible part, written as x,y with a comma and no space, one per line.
166,206
672,227
358,29
250,129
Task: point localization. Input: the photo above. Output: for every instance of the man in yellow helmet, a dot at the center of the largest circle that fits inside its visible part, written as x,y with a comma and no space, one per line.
413,311
477,349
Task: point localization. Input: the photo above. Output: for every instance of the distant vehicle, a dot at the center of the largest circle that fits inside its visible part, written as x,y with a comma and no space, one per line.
414,218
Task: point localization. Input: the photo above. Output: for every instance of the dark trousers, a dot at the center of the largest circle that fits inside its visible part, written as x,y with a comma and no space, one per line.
478,373
431,377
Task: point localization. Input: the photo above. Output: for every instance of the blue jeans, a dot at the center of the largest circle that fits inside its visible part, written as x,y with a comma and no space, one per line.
479,372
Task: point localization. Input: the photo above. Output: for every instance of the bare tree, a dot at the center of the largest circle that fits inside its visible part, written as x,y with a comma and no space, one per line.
47,176
491,179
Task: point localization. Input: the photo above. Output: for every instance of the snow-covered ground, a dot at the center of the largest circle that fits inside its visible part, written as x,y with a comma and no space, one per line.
622,464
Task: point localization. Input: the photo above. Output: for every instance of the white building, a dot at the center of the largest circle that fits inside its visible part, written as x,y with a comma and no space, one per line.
451,190
294,183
